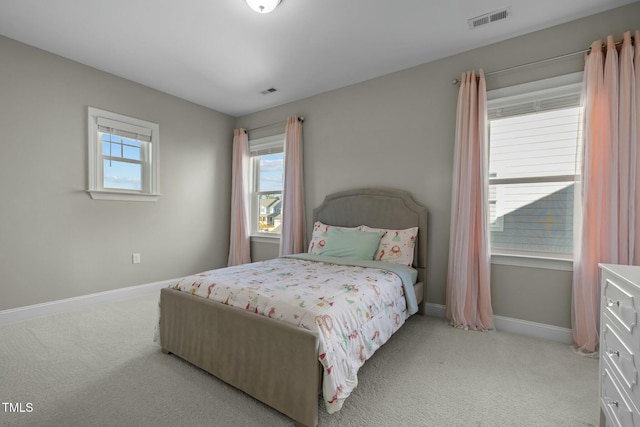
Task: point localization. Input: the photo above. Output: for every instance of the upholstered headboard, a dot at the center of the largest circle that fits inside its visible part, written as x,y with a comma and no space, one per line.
378,207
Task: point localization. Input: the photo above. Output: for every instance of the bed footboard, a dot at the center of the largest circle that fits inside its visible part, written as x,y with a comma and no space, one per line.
270,360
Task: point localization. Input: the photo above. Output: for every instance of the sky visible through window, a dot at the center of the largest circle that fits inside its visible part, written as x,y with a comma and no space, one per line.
271,172
121,163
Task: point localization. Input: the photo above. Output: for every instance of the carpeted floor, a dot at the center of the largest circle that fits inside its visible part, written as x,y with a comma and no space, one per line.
99,367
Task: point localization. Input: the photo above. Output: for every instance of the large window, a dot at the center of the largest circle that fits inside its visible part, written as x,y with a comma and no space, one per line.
267,167
533,135
123,157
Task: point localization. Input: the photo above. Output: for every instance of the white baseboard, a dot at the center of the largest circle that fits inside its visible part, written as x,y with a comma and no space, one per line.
516,326
38,310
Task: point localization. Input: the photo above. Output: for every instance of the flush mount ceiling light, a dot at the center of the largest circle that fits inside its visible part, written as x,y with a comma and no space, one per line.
263,6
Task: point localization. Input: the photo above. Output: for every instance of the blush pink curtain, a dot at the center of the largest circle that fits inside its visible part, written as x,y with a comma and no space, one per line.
239,244
468,287
292,239
609,188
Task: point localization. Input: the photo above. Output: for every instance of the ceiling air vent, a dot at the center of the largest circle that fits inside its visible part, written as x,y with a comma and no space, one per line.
489,18
268,91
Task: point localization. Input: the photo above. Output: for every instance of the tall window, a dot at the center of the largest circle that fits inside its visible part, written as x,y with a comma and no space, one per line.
123,157
267,167
533,135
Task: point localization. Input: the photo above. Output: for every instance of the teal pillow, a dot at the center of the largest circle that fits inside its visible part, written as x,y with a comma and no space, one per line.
351,244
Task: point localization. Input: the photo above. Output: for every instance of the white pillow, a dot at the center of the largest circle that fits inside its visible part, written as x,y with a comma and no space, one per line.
396,246
320,233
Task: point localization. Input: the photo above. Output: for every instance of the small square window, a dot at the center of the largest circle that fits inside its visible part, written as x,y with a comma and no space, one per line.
123,157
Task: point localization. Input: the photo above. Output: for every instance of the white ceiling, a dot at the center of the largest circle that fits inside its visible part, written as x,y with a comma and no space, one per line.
221,54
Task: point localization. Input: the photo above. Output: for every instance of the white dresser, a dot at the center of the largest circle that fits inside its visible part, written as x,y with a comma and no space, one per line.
620,345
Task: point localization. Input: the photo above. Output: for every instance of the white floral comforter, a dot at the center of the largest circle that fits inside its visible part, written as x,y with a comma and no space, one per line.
354,308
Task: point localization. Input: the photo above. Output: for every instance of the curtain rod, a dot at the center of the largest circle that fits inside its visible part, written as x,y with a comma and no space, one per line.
300,119
541,61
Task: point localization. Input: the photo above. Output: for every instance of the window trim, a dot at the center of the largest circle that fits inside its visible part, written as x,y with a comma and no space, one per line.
261,147
508,95
569,83
150,166
532,261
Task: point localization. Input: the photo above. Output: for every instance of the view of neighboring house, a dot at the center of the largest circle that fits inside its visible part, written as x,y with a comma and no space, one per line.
270,215
544,225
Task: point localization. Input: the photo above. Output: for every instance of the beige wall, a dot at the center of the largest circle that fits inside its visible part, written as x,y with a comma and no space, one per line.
55,241
398,131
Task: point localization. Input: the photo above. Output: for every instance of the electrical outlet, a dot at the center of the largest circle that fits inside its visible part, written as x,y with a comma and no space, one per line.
135,258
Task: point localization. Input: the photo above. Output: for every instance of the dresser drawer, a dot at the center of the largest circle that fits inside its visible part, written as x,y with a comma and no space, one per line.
622,358
614,403
620,301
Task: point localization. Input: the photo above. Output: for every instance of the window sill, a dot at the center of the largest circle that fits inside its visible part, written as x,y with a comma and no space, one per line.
118,195
548,263
266,239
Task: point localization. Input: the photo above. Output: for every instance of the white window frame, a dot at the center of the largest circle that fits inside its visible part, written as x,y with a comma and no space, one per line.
570,83
260,147
148,134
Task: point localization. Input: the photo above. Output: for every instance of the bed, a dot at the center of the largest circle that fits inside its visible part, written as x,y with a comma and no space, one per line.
273,361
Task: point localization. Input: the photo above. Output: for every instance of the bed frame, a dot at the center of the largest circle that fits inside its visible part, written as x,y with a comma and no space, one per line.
273,361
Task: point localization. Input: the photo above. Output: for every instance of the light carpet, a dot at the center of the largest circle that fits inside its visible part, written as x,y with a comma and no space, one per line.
99,367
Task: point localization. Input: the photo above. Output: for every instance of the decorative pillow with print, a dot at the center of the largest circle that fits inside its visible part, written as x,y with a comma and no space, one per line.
396,246
320,233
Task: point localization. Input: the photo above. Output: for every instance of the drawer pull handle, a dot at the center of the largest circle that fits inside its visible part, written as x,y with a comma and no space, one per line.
611,303
613,353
